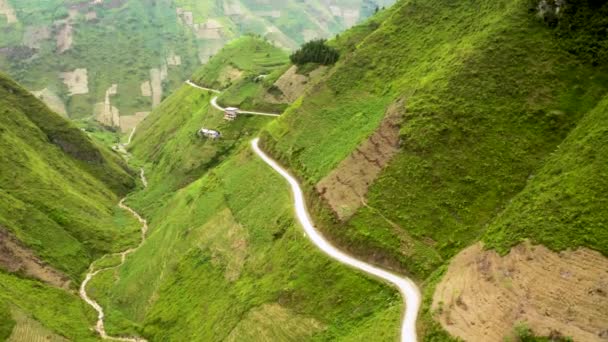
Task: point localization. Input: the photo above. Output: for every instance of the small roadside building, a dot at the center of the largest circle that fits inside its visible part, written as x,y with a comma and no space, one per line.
209,133
231,113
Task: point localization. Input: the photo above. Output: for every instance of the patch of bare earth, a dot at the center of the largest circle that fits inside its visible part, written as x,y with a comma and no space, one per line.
77,81
209,30
229,74
53,101
146,89
15,257
127,123
156,82
483,295
105,113
292,85
345,188
34,35
174,60
7,10
65,36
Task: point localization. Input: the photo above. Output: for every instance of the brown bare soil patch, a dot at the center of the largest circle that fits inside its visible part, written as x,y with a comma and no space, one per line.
174,59
210,30
146,89
89,16
345,188
7,10
157,86
293,85
105,113
53,101
127,123
77,81
34,35
229,74
15,257
65,36
483,295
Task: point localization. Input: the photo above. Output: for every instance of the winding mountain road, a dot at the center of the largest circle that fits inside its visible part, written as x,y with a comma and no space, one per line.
220,108
408,289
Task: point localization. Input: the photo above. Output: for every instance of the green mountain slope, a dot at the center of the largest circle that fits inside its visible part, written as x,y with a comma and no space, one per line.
73,52
486,93
224,249
562,206
58,212
452,106
60,192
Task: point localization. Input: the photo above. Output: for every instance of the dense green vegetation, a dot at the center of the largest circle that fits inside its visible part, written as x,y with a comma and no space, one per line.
58,310
60,193
315,51
245,70
563,203
218,256
6,321
581,26
476,123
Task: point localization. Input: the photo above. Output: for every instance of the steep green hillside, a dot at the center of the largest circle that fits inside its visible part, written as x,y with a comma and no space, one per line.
224,249
73,51
29,308
485,91
563,204
59,189
245,69
58,212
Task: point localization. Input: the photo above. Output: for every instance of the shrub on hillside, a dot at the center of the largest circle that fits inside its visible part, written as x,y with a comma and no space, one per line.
581,25
315,51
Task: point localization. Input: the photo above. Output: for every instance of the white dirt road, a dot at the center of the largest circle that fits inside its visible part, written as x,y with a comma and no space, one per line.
408,289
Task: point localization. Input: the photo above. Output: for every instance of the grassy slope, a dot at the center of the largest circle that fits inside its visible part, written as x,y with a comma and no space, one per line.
563,205
252,56
60,191
479,79
59,195
62,312
222,246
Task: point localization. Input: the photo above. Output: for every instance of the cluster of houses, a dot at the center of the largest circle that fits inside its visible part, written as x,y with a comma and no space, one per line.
230,114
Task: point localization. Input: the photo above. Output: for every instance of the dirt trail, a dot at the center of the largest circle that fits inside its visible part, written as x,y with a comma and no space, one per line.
100,326
408,289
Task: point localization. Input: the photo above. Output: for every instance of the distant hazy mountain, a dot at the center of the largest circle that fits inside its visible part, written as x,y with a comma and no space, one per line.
117,59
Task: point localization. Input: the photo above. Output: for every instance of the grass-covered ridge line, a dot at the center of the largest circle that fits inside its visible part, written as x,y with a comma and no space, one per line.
60,192
488,93
245,70
231,244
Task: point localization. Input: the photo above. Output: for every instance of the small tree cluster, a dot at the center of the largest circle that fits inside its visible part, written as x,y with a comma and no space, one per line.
315,51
